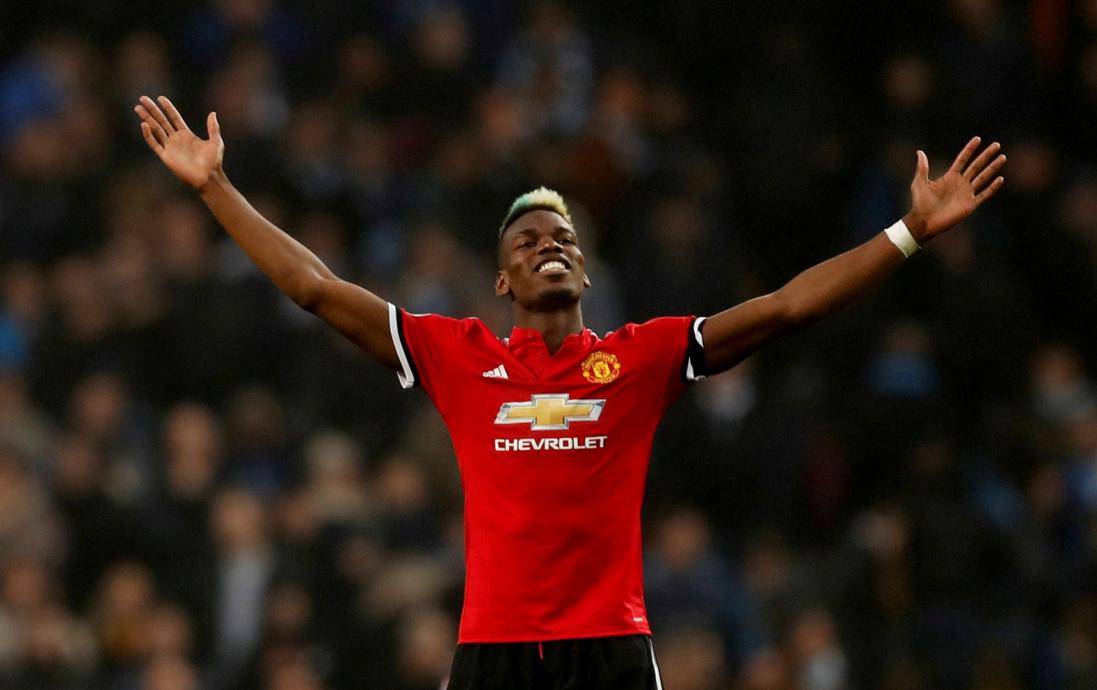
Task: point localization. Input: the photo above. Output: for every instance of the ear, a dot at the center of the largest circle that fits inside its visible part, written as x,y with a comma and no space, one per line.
586,281
502,286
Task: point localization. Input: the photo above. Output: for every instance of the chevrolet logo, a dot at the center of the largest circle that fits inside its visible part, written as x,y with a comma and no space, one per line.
548,412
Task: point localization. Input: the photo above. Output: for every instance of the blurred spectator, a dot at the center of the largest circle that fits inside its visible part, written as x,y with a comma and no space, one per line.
691,659
337,489
550,64
22,426
439,80
1060,388
677,245
169,673
685,576
425,649
97,526
122,610
143,66
257,442
213,31
30,527
408,516
904,369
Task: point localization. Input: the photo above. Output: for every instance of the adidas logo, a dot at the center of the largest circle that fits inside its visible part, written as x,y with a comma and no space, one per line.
499,372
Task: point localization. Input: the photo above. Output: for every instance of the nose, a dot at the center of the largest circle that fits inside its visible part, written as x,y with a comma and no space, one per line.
550,245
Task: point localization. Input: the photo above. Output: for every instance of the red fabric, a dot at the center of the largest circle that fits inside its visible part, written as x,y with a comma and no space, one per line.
552,536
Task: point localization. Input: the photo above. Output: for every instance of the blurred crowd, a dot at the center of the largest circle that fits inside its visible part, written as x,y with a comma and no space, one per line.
201,487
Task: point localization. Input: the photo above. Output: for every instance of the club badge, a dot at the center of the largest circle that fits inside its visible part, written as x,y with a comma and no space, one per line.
601,367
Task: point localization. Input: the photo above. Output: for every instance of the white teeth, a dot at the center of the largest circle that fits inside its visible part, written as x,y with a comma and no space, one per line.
552,266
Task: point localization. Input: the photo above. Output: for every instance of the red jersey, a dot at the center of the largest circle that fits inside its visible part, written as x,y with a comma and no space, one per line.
553,452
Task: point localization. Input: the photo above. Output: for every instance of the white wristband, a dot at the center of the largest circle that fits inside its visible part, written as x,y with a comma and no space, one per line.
900,236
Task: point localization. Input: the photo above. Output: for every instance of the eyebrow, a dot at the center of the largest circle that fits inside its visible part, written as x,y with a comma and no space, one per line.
533,231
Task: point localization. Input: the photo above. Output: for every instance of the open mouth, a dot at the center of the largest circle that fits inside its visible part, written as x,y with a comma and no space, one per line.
552,266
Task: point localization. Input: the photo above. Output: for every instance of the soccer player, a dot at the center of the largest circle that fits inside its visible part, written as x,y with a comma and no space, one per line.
553,425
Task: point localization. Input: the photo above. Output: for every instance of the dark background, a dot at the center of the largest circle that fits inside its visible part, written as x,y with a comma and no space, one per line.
202,487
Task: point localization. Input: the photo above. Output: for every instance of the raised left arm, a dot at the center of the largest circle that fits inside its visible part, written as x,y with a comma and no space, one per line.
937,205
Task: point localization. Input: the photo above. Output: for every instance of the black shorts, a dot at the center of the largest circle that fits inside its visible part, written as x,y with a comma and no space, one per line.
596,663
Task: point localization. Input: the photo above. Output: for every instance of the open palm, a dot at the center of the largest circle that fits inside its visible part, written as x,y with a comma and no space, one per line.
939,204
191,159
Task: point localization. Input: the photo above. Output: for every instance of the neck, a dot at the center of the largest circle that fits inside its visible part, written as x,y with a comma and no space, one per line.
553,325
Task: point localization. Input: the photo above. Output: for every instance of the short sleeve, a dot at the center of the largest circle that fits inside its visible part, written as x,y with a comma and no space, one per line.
407,374
674,348
693,364
423,342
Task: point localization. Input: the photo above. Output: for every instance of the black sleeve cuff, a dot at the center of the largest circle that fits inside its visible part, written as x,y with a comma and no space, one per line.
693,366
407,374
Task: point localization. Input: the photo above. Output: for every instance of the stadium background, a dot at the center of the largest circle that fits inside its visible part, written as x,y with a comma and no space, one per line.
201,487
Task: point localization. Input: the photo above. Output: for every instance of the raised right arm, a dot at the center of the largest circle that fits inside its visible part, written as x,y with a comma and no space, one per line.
357,313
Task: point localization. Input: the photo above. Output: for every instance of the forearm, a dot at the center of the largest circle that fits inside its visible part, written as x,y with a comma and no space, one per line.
936,206
357,313
827,287
289,264
735,333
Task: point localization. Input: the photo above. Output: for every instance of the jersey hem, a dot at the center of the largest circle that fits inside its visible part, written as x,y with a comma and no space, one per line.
489,639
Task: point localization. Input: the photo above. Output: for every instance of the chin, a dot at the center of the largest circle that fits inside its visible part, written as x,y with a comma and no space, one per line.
555,298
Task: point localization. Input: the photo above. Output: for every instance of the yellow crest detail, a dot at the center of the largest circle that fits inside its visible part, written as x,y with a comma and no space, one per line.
601,367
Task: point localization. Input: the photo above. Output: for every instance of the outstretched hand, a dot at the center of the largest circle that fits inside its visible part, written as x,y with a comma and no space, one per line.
939,204
191,159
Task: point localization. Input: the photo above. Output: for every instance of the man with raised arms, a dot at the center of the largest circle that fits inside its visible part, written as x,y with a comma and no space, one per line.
553,425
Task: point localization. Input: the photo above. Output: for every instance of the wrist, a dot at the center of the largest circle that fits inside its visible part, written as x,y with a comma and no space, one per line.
899,235
216,180
917,226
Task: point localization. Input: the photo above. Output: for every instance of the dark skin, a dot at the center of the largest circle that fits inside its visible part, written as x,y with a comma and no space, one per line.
549,302
544,301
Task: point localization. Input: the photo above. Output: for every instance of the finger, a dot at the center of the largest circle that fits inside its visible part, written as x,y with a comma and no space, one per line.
146,132
173,114
157,114
990,191
965,155
981,161
988,173
154,125
213,128
922,170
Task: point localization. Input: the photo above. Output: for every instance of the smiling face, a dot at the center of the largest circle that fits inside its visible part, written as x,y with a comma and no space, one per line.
540,265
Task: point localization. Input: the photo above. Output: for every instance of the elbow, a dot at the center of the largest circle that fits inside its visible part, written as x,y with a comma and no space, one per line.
308,294
309,302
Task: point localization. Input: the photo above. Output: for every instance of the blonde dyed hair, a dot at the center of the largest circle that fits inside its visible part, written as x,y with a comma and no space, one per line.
540,199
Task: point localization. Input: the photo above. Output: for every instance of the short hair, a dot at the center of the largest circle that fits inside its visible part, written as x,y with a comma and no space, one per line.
540,199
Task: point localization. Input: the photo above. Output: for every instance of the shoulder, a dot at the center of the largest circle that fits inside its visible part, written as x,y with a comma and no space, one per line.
652,328
429,345
443,335
674,342
469,327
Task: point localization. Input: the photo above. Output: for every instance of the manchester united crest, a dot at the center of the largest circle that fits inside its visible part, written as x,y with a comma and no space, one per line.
601,367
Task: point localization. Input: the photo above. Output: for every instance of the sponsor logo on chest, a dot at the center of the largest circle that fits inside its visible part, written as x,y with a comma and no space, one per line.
550,443
550,412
